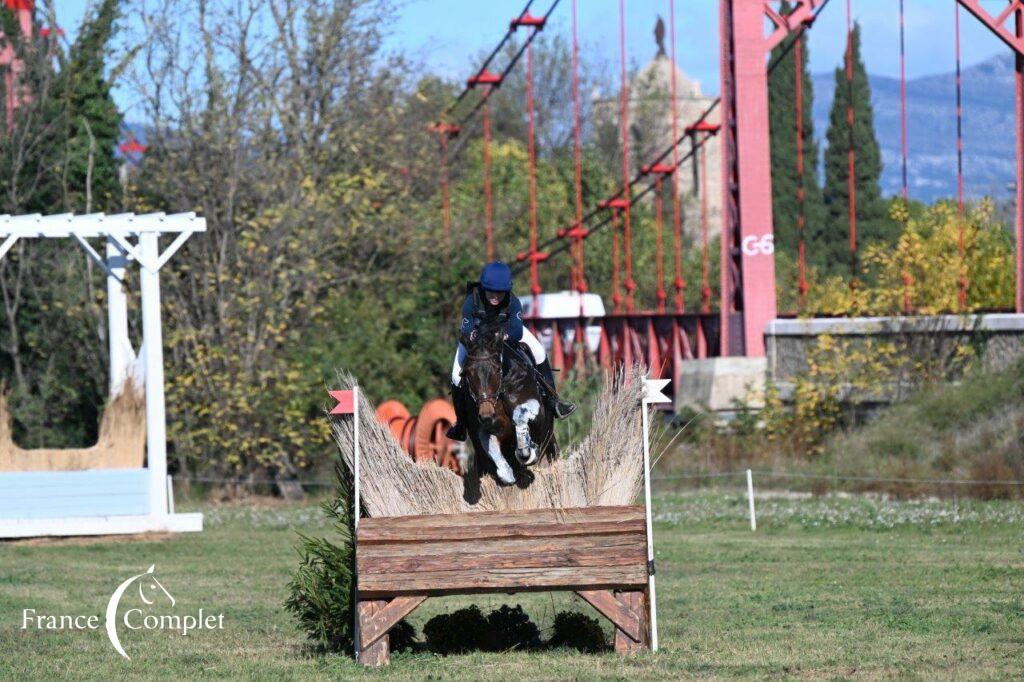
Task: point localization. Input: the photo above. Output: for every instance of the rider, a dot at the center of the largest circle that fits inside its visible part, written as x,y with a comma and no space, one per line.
485,301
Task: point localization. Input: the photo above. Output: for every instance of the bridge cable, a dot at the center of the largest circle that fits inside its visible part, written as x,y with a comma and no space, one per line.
533,255
488,195
962,294
677,226
700,121
578,278
627,230
483,67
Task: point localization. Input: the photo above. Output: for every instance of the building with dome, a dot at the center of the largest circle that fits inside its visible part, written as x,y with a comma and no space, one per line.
650,125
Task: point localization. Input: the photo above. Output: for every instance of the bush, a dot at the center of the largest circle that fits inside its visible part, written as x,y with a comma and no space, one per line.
510,628
575,630
322,590
456,633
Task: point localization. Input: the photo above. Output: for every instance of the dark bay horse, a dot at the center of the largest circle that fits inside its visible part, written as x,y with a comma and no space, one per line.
511,427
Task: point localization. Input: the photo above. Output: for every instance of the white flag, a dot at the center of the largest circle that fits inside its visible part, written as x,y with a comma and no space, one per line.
653,391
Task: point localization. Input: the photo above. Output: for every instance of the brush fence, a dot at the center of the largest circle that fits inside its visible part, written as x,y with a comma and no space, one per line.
600,553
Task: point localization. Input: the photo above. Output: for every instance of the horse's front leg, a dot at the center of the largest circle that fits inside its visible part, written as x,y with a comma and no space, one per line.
505,473
522,415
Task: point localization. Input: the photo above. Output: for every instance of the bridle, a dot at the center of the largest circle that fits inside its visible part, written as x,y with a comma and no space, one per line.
491,398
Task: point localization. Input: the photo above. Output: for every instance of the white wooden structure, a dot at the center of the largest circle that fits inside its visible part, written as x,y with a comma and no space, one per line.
102,502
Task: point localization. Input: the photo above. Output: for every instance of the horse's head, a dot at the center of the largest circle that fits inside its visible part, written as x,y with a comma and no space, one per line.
148,584
482,370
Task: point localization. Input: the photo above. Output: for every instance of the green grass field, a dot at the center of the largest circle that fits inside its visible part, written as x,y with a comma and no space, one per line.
827,587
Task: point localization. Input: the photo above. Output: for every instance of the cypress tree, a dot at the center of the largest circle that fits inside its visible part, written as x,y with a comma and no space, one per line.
782,123
831,251
93,123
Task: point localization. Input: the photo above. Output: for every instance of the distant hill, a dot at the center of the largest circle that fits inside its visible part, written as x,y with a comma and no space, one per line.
931,117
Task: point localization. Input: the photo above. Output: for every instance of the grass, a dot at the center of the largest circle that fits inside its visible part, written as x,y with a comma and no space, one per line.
969,430
826,587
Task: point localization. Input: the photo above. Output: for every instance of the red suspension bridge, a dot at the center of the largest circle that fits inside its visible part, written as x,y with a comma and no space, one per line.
668,334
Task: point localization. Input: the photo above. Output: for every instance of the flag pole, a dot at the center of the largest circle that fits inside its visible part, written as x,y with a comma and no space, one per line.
650,529
355,510
355,438
652,394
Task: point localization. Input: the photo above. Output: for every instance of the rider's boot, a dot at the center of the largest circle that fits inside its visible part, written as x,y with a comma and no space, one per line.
457,431
560,408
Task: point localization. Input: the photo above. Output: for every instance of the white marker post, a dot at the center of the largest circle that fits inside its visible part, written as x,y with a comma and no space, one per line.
348,403
652,394
355,510
750,497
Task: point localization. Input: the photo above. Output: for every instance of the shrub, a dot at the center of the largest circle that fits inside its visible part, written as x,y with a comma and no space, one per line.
510,628
322,590
578,631
455,633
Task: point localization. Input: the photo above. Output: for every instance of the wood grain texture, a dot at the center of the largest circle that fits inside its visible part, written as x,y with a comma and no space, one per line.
617,611
502,525
620,549
380,652
383,619
468,581
624,643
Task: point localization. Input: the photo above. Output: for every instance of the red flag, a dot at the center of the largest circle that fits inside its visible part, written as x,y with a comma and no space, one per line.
346,402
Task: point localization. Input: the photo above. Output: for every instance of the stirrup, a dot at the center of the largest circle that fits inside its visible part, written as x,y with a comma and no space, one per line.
563,408
456,432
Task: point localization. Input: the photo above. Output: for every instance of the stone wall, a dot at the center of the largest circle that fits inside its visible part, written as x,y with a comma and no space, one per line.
997,339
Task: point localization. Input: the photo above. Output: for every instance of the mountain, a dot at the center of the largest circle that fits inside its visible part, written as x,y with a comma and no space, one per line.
988,127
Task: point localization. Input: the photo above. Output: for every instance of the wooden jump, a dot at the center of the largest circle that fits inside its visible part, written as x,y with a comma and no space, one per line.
600,553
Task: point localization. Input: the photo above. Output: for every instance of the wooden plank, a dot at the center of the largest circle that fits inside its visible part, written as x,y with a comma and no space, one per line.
622,615
599,556
611,542
502,580
387,534
500,518
383,619
380,652
624,643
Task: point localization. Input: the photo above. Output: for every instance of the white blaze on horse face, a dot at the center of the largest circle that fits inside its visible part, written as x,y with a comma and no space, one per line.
504,470
522,415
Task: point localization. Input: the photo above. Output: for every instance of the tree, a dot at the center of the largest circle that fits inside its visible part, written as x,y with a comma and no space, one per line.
57,154
782,122
89,176
831,244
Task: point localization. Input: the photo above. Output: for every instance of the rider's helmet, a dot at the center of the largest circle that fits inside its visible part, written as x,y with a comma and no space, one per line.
496,276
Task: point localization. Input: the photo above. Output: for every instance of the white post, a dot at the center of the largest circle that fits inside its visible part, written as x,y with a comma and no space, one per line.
355,438
156,424
650,527
355,507
750,497
122,357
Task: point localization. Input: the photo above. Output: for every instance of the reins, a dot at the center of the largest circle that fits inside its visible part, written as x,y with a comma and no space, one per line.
485,398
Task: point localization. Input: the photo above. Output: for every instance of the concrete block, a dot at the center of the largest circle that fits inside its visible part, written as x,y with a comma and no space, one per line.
719,384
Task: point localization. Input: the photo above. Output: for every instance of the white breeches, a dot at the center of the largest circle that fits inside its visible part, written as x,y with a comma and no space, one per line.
531,341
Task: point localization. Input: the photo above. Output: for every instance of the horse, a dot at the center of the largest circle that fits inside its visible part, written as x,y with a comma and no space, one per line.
511,427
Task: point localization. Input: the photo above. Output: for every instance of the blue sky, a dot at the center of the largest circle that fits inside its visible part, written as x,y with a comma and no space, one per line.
446,36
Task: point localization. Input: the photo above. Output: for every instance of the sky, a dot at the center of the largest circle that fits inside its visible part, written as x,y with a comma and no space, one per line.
448,36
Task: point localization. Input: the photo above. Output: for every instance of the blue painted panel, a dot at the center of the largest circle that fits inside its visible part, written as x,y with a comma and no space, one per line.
55,494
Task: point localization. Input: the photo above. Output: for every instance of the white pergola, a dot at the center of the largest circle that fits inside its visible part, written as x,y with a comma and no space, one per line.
129,238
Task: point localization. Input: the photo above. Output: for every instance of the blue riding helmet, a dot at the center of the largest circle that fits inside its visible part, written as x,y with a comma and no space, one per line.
496,276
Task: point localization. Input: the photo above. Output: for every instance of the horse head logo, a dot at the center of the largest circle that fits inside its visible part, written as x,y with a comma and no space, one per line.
150,590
